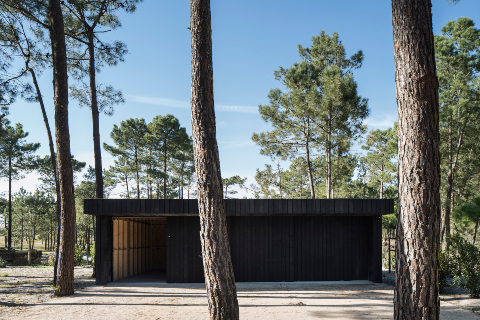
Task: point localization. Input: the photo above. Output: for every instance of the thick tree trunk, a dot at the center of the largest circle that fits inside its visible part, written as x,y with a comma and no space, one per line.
65,173
219,277
97,151
418,224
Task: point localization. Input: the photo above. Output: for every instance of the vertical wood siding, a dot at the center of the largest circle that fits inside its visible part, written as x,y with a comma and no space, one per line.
275,248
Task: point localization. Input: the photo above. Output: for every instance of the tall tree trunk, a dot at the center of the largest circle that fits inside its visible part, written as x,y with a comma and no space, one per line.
219,277
54,166
165,169
136,170
452,166
475,232
329,160
10,202
309,165
64,160
418,224
97,151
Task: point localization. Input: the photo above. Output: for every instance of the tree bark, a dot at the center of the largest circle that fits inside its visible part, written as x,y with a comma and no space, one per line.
54,166
219,277
65,173
97,151
418,224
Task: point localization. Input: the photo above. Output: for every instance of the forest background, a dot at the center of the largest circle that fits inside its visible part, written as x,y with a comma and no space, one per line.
155,81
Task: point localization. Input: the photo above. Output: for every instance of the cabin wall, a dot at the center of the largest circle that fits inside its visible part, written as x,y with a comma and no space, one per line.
275,248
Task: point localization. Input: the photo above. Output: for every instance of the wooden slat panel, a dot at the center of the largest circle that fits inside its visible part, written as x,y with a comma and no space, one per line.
120,249
167,208
310,206
251,210
115,250
244,206
125,249
237,209
331,206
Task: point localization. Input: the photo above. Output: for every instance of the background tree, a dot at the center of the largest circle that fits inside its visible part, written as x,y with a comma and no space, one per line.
270,183
65,174
183,166
381,146
130,141
321,108
418,224
18,157
219,277
469,213
458,63
85,20
233,181
167,138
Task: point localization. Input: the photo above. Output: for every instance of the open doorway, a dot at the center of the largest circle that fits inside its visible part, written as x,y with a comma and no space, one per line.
139,249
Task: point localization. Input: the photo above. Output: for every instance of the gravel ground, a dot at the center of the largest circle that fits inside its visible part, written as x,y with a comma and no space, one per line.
21,287
26,293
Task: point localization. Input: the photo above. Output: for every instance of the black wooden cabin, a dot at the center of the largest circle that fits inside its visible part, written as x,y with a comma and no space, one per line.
270,240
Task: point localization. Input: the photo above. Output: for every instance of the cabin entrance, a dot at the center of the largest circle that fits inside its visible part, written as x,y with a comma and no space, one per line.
139,249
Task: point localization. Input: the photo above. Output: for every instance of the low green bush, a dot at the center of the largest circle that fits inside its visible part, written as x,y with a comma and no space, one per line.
467,260
79,253
446,269
3,263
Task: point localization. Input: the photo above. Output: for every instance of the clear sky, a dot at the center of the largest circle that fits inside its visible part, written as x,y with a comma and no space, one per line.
250,40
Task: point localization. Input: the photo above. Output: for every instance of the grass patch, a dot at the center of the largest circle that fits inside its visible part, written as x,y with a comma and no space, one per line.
13,284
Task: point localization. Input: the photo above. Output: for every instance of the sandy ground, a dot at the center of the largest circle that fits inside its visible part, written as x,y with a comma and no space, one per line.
313,300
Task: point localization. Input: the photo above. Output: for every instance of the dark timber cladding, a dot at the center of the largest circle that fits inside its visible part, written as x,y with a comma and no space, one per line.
270,239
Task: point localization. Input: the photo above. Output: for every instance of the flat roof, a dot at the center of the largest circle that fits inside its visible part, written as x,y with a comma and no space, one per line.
239,207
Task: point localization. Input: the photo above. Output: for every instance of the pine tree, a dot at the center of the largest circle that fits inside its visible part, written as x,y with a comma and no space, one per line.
418,224
219,277
18,157
321,108
64,164
458,63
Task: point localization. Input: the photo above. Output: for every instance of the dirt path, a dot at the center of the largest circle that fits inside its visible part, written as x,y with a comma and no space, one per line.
357,300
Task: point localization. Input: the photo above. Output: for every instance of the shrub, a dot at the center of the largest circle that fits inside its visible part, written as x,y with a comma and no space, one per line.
51,260
446,268
385,258
467,258
3,263
79,253
92,254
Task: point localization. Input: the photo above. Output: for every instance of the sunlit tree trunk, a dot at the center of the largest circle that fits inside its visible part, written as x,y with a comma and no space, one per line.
418,224
64,164
219,277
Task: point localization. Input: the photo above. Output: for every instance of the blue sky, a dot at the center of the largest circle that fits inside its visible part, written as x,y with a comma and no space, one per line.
250,40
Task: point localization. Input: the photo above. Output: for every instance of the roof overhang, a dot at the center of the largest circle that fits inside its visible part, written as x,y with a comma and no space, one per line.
239,207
